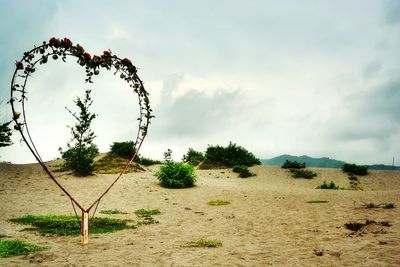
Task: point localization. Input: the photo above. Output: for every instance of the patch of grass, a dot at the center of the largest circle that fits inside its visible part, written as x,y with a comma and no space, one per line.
147,213
388,206
10,248
112,163
325,185
112,211
300,173
204,243
218,202
317,201
69,225
147,161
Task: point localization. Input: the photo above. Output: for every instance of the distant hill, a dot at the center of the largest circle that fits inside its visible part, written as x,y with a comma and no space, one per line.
310,162
320,162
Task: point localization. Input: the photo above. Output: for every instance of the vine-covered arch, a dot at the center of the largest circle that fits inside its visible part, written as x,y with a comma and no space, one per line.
56,49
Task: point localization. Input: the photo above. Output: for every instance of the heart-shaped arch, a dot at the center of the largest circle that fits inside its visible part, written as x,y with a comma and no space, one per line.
61,49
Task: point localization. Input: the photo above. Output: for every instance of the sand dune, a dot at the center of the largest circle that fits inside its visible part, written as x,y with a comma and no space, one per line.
268,222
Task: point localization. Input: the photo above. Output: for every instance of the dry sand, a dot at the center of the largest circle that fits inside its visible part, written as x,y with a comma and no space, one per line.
268,222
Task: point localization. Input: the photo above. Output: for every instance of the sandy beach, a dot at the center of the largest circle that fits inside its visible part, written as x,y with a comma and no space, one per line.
268,223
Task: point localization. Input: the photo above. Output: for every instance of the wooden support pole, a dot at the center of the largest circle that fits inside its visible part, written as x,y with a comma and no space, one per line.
85,228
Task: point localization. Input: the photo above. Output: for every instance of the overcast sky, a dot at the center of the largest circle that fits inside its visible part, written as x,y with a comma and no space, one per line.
320,78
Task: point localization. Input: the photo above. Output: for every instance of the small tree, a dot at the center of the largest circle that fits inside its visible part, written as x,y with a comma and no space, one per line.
5,134
193,157
81,151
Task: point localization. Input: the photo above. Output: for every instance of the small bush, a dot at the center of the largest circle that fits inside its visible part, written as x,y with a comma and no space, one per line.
299,173
230,156
176,175
331,185
146,213
219,202
10,248
193,157
243,171
288,164
123,149
388,206
355,169
372,205
80,160
204,243
352,177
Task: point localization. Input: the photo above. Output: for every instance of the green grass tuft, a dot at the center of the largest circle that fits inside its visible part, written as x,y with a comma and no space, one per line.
147,213
388,206
317,201
204,243
325,185
112,211
219,202
10,248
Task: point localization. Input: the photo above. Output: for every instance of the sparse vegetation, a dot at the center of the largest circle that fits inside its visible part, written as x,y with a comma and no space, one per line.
372,205
300,173
175,174
352,177
146,213
193,157
69,225
229,156
147,161
325,185
81,151
5,134
112,211
288,164
219,202
10,248
317,201
204,243
243,171
355,169
112,163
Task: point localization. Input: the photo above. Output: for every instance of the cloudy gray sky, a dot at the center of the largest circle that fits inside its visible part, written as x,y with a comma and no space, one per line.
312,77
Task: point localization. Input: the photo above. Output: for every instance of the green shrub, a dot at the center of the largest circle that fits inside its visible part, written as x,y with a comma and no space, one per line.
242,170
218,202
331,185
355,169
10,248
80,160
123,149
299,173
176,175
388,206
288,164
193,157
230,156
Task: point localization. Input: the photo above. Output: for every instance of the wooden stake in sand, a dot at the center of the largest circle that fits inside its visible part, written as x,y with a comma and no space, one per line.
59,49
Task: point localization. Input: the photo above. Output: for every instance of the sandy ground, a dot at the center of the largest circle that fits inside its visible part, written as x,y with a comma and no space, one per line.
268,222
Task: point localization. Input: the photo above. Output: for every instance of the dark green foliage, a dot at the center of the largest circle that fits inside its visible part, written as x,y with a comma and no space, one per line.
293,165
80,160
10,248
242,170
5,134
112,211
317,201
147,161
81,151
355,169
325,185
123,149
69,225
389,206
193,157
299,173
176,175
230,156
